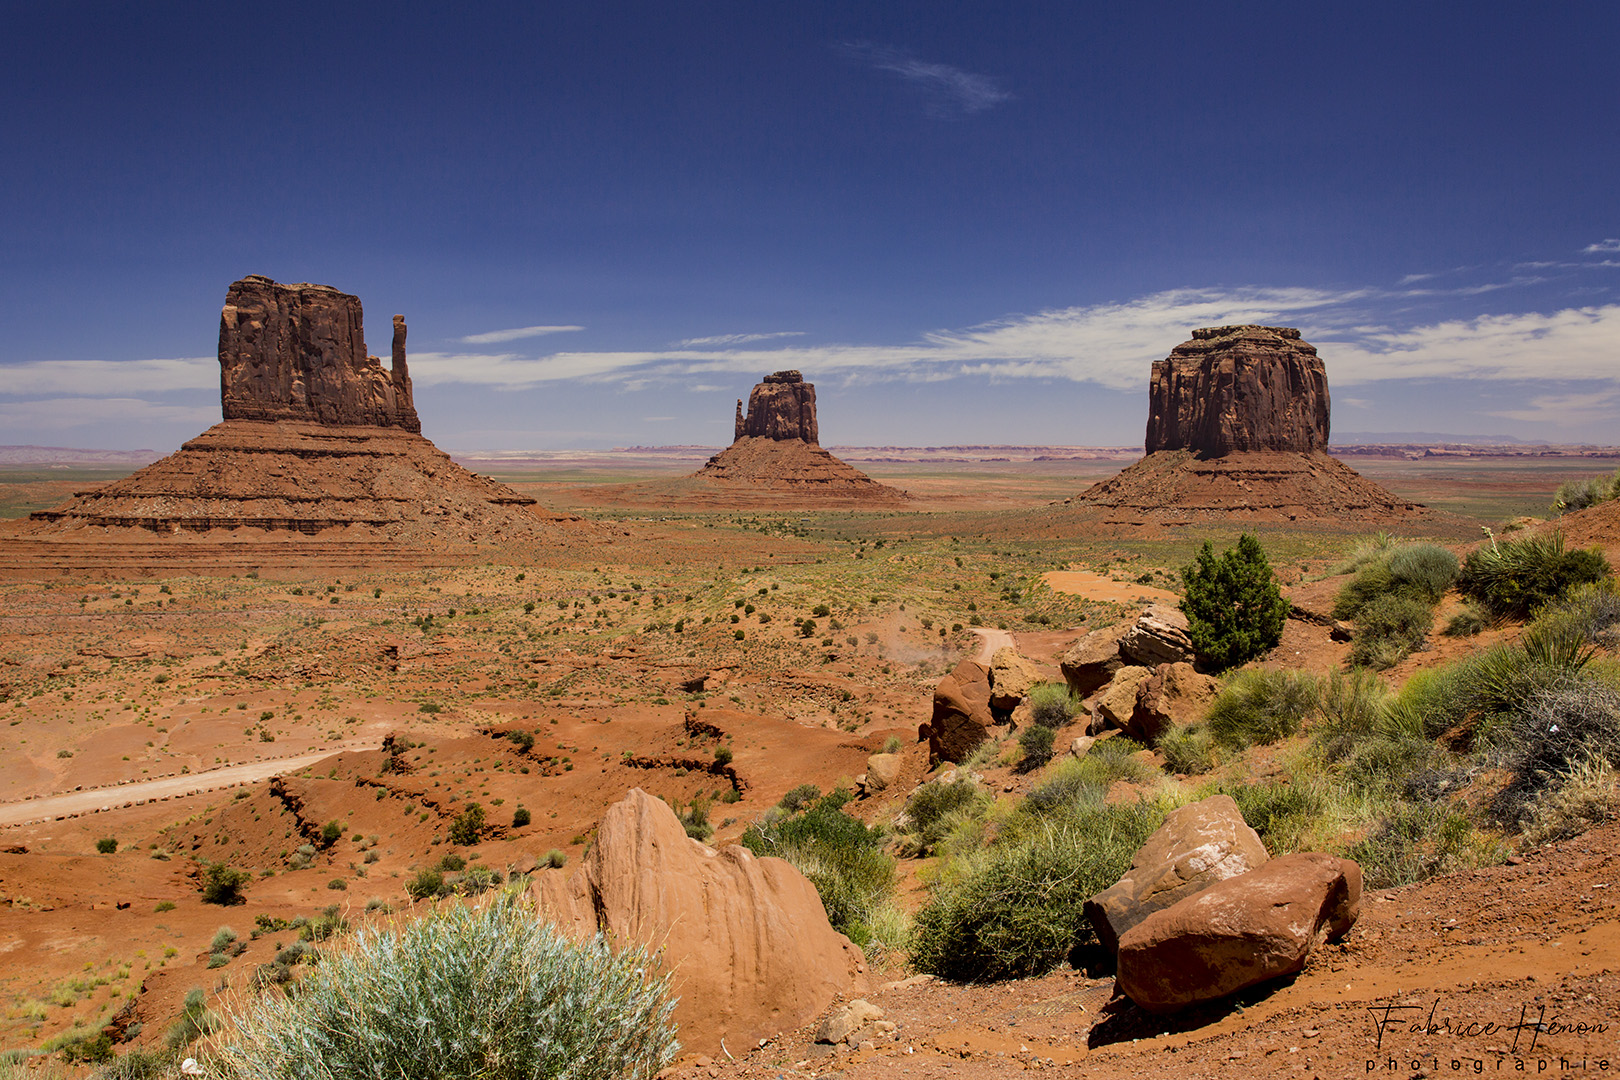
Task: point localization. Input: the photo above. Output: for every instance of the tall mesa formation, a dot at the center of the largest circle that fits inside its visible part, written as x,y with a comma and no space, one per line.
1238,421
317,438
1237,388
781,407
298,352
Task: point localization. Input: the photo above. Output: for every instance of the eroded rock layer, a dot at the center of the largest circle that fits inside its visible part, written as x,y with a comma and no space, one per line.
781,407
1234,388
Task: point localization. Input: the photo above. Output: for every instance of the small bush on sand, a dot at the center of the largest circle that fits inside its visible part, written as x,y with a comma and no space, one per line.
1035,740
195,1021
1188,750
1413,842
1234,608
934,810
1388,629
1588,796
1420,572
1573,722
493,992
1256,707
468,827
1052,705
223,885
1576,495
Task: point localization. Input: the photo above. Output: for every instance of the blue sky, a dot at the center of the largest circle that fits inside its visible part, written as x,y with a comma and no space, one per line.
966,223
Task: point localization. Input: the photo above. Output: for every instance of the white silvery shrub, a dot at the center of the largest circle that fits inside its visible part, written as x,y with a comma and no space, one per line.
487,992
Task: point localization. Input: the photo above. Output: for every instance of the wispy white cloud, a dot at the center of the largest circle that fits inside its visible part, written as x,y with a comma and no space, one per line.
500,337
1565,410
1601,247
736,339
57,414
109,376
948,91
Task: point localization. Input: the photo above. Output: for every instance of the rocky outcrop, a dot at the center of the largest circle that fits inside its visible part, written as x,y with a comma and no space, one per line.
1159,636
745,939
1239,388
961,718
1198,845
1011,679
298,352
1091,662
1117,703
1175,695
1239,932
781,407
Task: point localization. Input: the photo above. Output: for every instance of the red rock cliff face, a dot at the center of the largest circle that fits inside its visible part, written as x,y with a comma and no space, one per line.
782,407
1235,388
298,352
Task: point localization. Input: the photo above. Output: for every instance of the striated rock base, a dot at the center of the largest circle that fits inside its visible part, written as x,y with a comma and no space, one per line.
792,466
346,484
1179,487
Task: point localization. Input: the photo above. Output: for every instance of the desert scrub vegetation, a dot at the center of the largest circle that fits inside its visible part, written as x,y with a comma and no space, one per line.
1392,597
1515,578
936,810
1052,705
843,858
1234,608
1012,907
489,991
1256,707
1573,495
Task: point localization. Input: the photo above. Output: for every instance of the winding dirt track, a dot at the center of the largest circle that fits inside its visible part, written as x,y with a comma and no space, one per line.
990,641
85,802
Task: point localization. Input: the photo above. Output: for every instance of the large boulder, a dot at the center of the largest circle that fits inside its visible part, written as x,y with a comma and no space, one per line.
1198,845
1159,636
1239,932
1234,388
1117,704
298,352
1091,662
1175,695
1011,679
882,770
745,938
961,718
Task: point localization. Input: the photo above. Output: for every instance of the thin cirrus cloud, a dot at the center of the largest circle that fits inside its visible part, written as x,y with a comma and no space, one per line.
1602,247
946,91
518,333
60,414
111,376
1114,345
736,339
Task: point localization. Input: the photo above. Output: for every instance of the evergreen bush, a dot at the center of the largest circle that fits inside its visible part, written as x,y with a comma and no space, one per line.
1234,608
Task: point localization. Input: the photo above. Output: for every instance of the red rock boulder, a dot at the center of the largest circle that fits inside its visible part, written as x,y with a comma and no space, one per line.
1239,932
1198,845
1090,663
745,939
1175,695
961,718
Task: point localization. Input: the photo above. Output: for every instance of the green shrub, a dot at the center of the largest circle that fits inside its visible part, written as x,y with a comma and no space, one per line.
1516,577
468,827
140,1064
1468,621
722,756
427,883
1189,750
800,797
222,939
1014,909
933,809
331,833
1052,705
1588,795
194,1021
1349,709
1389,628
223,885
1257,707
1035,740
493,992
107,845
1283,814
1424,570
521,817
1576,495
523,740
843,858
1234,608
556,859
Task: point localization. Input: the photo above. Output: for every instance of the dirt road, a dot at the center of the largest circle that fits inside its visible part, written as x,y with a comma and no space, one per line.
990,641
84,802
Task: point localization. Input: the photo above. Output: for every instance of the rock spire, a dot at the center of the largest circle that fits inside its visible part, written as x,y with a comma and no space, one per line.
782,407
